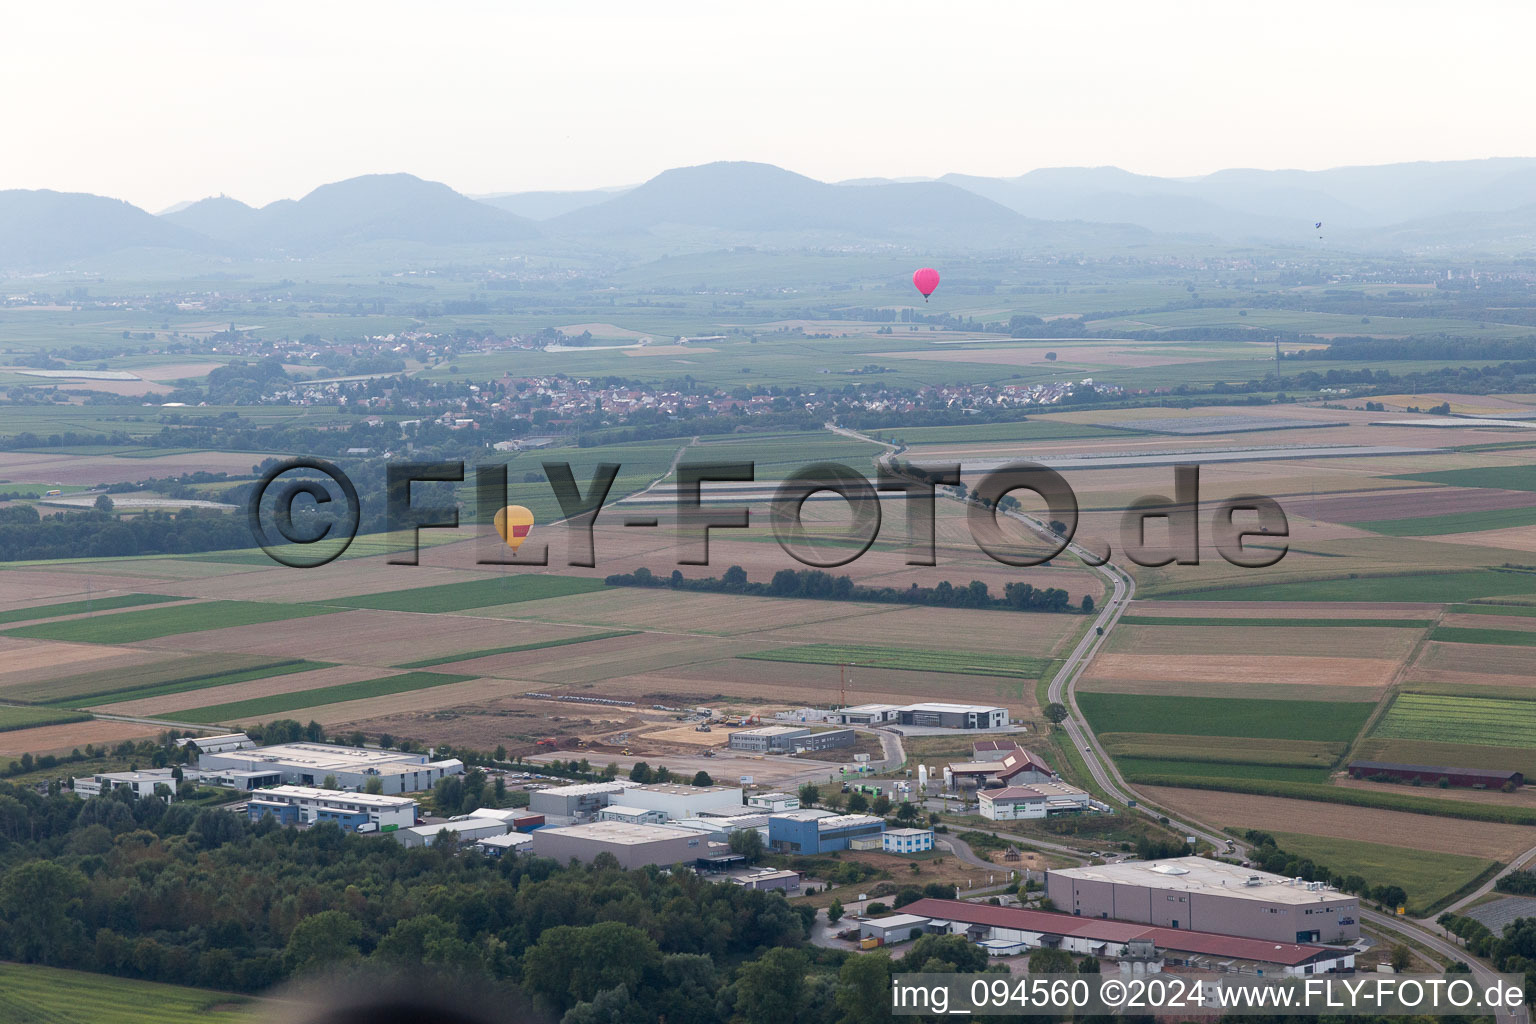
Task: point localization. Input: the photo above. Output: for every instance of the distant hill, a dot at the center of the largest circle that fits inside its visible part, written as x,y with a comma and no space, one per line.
387,208
1354,203
544,205
217,217
760,199
40,229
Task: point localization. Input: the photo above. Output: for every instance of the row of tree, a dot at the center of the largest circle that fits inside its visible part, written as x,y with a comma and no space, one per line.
815,584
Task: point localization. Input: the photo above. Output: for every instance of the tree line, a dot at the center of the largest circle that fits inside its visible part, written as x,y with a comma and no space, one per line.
816,585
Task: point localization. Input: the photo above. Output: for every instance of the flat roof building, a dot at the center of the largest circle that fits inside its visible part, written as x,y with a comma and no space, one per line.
930,714
582,800
681,800
217,744
784,881
1039,800
1208,895
633,815
774,801
308,764
511,842
468,830
906,840
981,922
305,805
893,929
141,784
633,846
797,832
768,738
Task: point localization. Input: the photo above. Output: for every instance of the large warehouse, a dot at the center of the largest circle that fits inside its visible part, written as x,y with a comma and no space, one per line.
1477,778
308,764
1039,800
634,846
1119,939
581,800
681,800
934,715
1208,895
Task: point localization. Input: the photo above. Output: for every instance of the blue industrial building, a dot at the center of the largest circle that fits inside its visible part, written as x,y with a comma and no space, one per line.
810,831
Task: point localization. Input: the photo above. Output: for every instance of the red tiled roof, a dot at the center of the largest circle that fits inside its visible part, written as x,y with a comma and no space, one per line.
1179,940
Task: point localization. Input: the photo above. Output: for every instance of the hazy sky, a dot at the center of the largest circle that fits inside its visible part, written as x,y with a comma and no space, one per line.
162,102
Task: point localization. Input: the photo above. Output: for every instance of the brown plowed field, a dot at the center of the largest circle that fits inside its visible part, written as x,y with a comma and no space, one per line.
1266,641
1393,828
432,698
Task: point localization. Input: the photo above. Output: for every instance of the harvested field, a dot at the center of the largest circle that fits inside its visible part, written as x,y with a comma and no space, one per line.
130,669
151,707
364,637
1522,797
1514,538
30,587
1238,670
1393,828
1039,634
106,469
61,739
1381,645
345,577
483,592
1461,617
435,700
490,652
670,610
1234,612
77,608
27,662
605,661
1475,665
255,708
1408,503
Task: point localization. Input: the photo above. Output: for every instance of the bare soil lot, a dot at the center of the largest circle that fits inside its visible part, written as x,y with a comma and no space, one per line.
1392,828
61,739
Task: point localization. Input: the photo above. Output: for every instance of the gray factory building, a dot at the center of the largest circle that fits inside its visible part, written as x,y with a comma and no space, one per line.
1209,896
633,846
788,738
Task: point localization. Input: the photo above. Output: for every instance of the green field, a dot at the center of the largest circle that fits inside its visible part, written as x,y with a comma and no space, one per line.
1426,588
194,682
1451,522
1224,716
515,649
1474,635
910,658
1481,721
1136,768
100,604
1525,611
486,593
1428,878
1222,750
1177,620
13,717
259,707
1504,478
130,627
30,994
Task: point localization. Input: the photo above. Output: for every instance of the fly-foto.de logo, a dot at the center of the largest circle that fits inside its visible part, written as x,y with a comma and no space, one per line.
292,514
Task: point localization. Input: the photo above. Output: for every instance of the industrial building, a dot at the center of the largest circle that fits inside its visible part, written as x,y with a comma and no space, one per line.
633,815
1014,766
1041,800
774,801
633,846
499,846
305,805
244,781
1121,940
681,800
309,764
142,784
720,828
468,830
1208,895
784,739
813,831
517,819
906,840
579,801
932,715
768,879
893,929
1476,778
217,744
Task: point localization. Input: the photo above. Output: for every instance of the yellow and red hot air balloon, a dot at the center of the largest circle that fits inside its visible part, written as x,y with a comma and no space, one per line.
513,524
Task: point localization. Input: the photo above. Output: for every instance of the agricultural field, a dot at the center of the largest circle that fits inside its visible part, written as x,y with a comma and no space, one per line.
1429,879
154,623
1443,718
924,660
1224,716
14,717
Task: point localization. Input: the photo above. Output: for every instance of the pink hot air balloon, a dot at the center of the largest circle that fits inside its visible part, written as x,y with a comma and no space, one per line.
925,281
